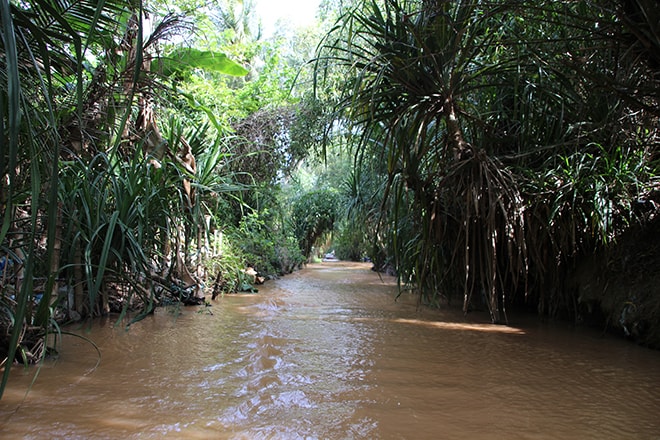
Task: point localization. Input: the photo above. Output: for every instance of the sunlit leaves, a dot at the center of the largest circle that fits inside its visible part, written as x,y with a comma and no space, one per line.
185,59
313,215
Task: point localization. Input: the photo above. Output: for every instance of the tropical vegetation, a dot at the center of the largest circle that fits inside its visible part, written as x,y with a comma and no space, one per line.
498,154
141,155
513,140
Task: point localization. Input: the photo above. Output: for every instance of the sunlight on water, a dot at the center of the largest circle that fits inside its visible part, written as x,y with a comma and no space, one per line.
488,328
327,353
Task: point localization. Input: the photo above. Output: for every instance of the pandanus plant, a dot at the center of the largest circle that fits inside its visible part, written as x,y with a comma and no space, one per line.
471,105
43,75
92,191
414,69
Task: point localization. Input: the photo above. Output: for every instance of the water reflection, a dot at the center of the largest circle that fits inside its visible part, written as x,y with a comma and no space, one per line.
328,353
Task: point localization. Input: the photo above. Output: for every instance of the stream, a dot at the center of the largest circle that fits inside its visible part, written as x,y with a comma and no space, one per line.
327,353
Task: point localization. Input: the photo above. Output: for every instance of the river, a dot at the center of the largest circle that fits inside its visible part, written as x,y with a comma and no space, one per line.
327,353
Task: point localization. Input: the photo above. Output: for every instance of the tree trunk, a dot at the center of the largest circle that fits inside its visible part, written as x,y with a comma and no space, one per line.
455,135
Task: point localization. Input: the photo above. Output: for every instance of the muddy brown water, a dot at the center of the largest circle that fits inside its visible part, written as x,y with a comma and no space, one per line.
326,353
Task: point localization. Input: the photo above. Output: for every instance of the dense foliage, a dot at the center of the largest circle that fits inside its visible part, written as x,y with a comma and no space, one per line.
516,137
313,214
141,151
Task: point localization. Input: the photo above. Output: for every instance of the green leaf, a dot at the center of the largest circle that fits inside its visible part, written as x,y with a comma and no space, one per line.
197,106
184,59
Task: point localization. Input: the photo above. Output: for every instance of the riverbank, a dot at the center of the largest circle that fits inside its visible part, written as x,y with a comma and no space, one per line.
618,289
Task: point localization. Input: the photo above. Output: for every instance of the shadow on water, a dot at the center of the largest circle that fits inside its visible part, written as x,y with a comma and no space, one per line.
326,353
